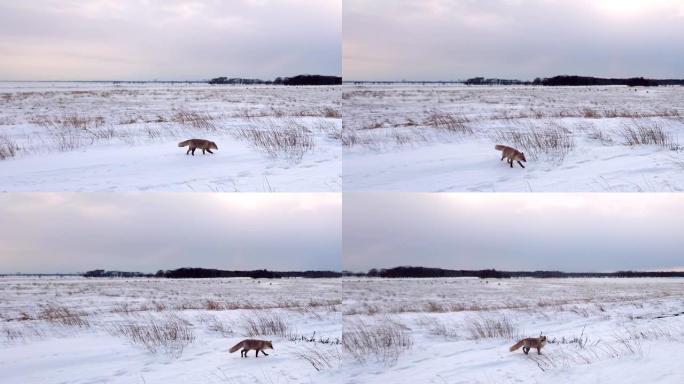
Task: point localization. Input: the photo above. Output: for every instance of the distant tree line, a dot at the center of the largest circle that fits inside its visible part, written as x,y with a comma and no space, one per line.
551,81
423,272
296,80
103,273
588,80
495,81
397,272
184,273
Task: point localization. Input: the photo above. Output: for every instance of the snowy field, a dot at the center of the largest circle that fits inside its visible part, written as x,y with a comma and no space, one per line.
123,137
434,138
460,330
74,330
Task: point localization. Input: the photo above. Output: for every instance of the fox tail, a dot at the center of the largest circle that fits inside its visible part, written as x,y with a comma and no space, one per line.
516,345
235,347
498,147
184,143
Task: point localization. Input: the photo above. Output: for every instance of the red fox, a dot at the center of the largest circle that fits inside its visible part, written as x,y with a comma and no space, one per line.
250,344
512,154
529,343
204,145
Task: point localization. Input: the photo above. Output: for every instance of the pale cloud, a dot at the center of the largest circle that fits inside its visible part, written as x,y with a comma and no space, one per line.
69,232
571,232
175,40
457,39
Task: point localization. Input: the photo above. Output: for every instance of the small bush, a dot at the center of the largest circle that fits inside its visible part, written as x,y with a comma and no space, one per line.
63,316
491,327
8,148
170,334
552,140
265,323
383,341
449,123
646,133
290,142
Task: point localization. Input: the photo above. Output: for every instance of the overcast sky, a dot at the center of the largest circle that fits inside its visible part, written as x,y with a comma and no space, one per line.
168,39
46,233
555,231
458,39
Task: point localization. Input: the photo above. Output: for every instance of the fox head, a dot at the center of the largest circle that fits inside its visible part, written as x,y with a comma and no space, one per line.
542,338
213,145
269,345
522,157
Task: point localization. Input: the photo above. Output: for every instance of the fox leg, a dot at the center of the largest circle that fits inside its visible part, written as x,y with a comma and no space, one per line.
188,151
204,153
538,351
502,156
526,349
521,164
243,353
264,353
193,151
510,161
209,150
257,353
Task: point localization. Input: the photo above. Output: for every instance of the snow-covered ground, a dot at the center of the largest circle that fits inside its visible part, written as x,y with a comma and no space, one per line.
460,330
436,138
74,330
123,137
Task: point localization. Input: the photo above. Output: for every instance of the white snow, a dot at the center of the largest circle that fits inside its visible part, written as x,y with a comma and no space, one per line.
394,139
624,341
600,330
123,137
38,349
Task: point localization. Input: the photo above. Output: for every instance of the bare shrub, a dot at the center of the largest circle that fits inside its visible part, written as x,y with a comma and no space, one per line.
70,139
8,147
437,327
449,122
552,140
194,120
321,359
289,142
169,334
331,113
482,327
646,133
63,316
215,325
600,136
384,341
265,323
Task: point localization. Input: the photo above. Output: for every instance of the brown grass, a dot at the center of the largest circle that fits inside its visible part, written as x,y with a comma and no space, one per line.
552,140
169,334
289,142
383,341
260,323
646,133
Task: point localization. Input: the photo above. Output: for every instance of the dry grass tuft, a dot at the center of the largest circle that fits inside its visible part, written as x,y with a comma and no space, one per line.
553,140
169,334
384,341
265,323
482,327
8,147
449,122
63,316
646,133
289,142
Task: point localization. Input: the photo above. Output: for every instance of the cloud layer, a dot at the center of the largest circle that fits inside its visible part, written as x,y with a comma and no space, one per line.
457,39
569,232
168,39
47,233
